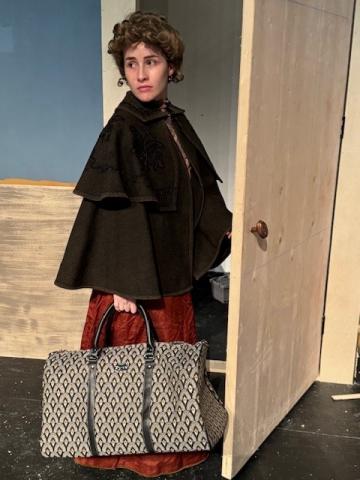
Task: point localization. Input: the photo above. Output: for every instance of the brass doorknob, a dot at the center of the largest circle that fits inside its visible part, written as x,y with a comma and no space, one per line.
261,229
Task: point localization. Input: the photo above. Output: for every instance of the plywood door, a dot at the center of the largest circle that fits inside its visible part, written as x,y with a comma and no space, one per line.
293,75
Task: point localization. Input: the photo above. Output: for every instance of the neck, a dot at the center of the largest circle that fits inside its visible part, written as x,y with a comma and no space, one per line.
151,104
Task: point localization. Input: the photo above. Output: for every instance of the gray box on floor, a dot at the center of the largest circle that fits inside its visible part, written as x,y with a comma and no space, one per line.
220,288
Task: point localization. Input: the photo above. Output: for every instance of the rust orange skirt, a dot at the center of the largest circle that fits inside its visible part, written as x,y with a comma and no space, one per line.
173,318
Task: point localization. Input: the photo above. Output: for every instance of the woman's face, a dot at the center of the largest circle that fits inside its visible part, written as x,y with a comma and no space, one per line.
146,71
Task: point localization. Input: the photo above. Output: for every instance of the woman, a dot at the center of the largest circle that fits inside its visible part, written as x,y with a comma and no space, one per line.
152,218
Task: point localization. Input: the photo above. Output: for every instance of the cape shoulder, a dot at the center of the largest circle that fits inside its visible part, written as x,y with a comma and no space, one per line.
134,161
119,163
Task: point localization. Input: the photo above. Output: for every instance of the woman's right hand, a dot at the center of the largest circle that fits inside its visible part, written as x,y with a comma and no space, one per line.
123,304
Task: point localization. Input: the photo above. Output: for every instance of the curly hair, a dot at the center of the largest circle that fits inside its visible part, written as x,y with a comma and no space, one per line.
155,31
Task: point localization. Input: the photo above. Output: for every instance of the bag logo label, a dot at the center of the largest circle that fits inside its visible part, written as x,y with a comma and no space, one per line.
121,366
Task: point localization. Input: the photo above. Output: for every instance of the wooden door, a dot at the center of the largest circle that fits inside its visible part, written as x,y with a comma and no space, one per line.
293,72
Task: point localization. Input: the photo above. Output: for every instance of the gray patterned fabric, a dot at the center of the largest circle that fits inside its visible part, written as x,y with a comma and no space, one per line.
186,414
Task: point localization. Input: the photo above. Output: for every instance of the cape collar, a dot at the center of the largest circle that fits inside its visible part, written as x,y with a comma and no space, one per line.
148,111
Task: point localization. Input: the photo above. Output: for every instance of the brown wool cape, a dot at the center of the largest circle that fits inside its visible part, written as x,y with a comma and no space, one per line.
145,229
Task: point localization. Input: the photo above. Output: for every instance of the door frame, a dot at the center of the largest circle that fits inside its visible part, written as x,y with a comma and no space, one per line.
341,316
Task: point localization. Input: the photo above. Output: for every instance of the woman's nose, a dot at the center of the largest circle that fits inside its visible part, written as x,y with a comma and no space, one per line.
142,72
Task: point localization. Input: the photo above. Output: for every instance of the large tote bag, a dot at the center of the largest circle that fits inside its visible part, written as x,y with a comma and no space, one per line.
131,399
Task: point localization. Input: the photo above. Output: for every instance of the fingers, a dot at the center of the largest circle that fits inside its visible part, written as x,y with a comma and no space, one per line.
125,307
122,304
133,307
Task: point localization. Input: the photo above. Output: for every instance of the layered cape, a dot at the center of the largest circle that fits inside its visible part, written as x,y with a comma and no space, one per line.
144,229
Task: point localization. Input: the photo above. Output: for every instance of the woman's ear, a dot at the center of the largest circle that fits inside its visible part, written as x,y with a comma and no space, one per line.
171,70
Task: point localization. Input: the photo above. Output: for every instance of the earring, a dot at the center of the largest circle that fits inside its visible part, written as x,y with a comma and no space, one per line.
170,78
121,81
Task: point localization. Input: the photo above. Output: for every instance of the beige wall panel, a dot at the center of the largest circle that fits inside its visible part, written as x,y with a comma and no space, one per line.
37,317
343,296
292,87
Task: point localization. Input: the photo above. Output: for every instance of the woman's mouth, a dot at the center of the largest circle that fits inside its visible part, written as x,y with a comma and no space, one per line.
144,88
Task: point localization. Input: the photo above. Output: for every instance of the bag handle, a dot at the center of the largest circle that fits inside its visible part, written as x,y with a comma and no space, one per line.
93,357
109,313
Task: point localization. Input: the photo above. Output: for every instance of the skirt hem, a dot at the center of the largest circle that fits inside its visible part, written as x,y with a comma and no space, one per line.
123,467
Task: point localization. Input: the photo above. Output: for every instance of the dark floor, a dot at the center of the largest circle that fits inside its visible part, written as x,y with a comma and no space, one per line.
318,440
211,317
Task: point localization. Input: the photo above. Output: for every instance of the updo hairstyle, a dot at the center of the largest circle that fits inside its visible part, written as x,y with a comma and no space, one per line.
155,31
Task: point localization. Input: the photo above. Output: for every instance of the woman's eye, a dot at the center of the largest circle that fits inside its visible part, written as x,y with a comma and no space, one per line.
150,61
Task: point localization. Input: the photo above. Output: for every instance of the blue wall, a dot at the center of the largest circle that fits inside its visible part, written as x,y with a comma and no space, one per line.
50,87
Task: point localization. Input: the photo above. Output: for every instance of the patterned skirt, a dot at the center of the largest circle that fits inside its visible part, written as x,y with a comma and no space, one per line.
173,319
